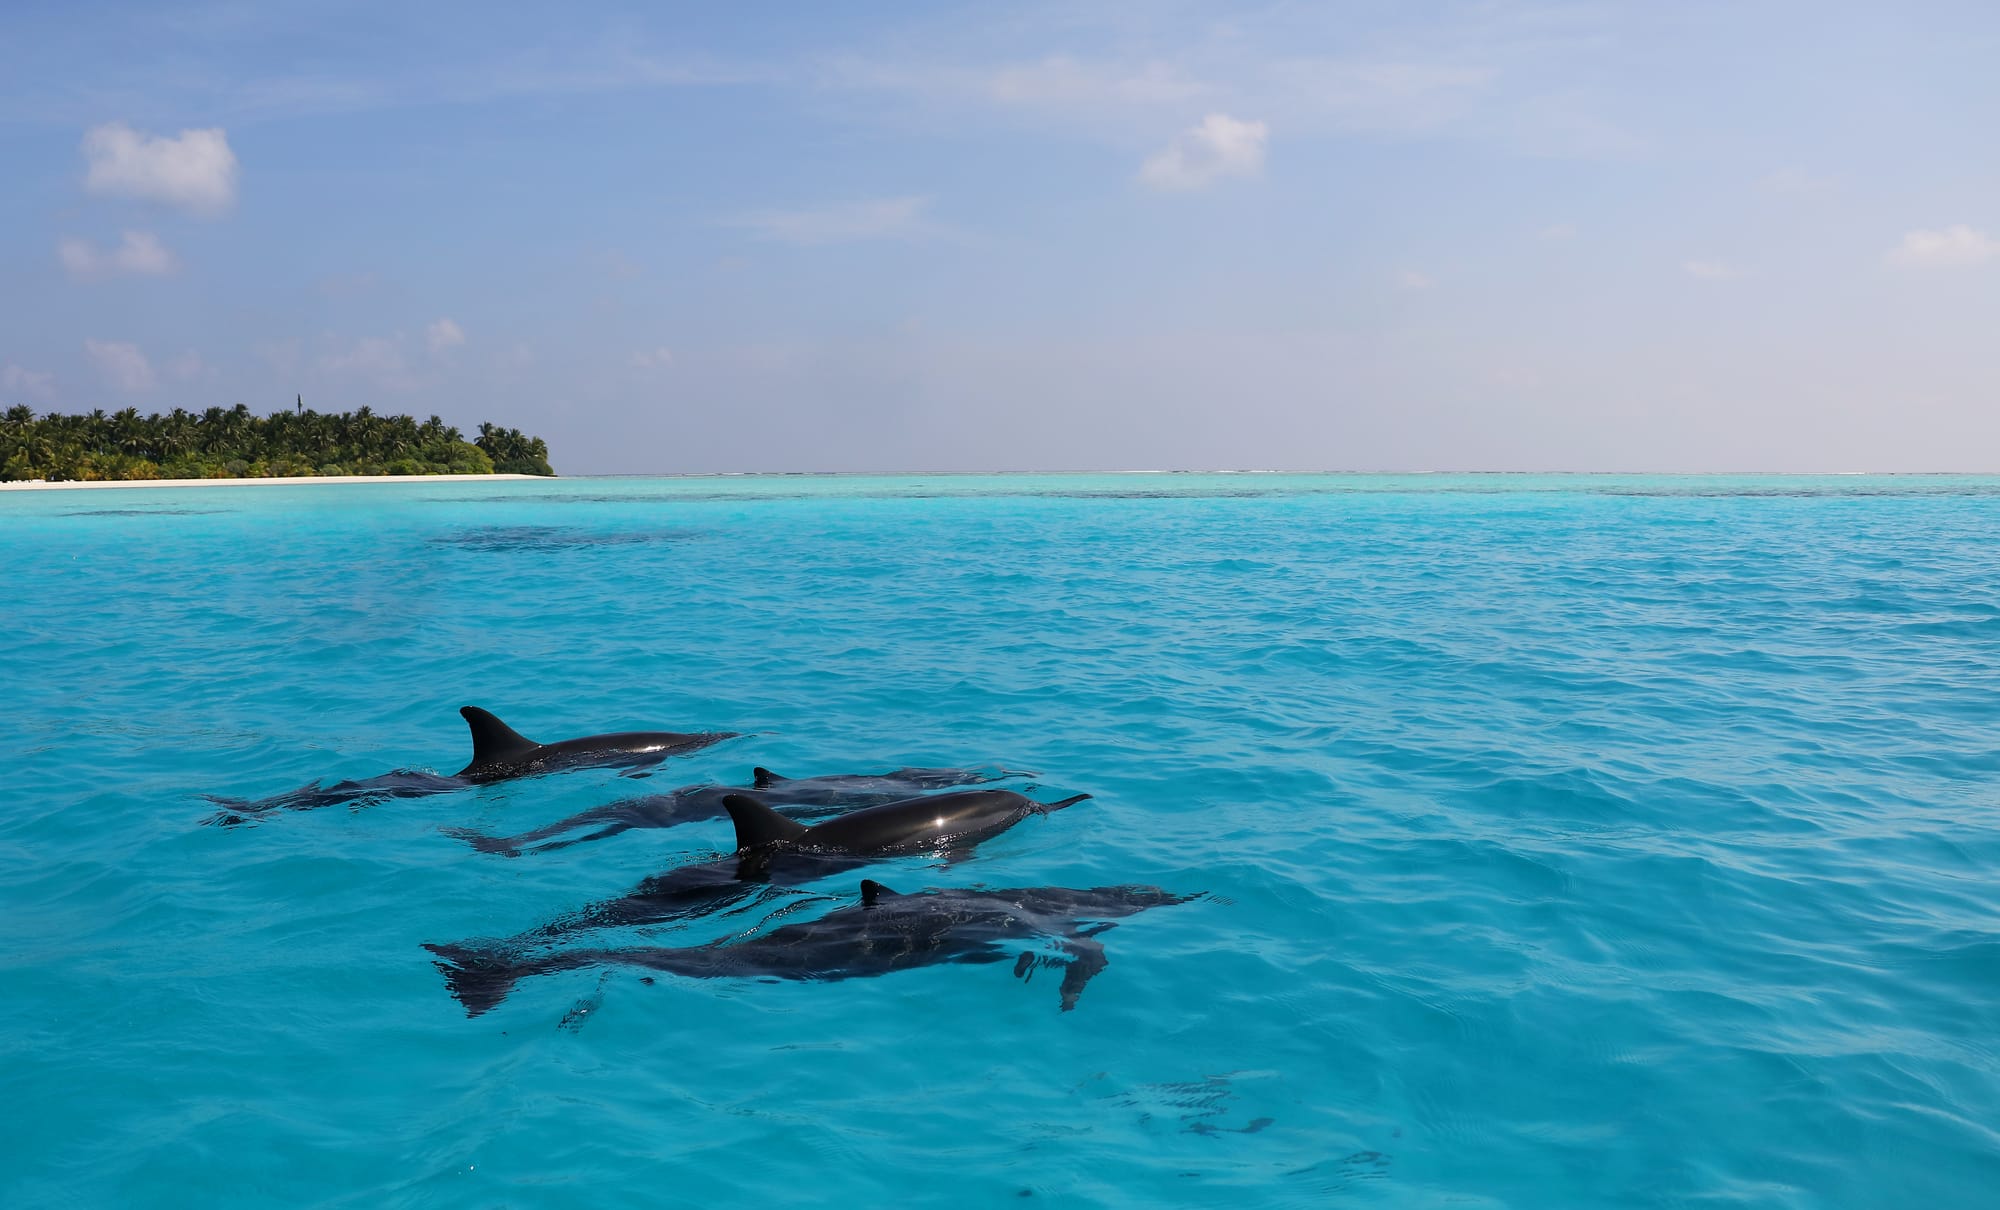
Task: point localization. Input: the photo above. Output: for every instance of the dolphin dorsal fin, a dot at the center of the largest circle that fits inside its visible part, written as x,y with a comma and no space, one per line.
494,742
764,779
872,890
757,824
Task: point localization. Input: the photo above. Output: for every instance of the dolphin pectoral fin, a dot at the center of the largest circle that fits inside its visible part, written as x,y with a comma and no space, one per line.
493,742
1086,959
764,779
872,890
757,824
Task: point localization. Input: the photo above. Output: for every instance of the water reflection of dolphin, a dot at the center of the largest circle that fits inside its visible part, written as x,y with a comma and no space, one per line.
797,797
498,753
883,933
775,851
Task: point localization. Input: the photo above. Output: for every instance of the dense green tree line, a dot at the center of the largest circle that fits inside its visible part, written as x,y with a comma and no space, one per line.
232,442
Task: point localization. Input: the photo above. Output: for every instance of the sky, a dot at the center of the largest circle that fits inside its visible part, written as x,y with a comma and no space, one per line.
931,237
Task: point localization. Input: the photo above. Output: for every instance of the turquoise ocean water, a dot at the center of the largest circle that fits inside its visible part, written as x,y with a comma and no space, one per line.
1567,841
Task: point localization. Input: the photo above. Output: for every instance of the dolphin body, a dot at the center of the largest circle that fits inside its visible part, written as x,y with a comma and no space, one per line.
801,797
364,792
883,933
772,850
498,753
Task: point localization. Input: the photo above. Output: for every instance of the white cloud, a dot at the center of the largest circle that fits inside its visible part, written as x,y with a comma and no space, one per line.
187,367
1219,146
347,285
652,359
1059,81
18,381
281,355
1410,279
138,252
1363,95
379,360
373,356
442,335
1710,270
1791,182
1950,247
844,222
197,170
121,364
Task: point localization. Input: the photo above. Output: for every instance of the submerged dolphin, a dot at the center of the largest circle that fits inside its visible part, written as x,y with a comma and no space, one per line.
365,792
773,850
498,753
883,933
805,798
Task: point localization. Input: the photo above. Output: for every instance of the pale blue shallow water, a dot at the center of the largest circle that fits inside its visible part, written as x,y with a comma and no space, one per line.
1569,841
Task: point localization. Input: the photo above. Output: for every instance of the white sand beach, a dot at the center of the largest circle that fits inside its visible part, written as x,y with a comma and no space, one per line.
41,484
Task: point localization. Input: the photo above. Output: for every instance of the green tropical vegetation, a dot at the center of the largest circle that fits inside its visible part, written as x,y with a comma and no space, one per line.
222,443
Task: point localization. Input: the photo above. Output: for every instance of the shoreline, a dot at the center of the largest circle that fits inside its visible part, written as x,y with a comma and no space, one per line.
269,481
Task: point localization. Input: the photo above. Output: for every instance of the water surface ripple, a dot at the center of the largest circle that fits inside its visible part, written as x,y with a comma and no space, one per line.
1569,841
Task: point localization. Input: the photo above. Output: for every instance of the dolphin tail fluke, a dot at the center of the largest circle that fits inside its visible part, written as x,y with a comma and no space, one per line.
493,742
477,979
757,824
1067,802
1086,960
764,779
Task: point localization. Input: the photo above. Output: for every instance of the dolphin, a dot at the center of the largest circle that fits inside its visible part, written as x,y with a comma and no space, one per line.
801,797
775,851
365,792
925,823
883,933
498,753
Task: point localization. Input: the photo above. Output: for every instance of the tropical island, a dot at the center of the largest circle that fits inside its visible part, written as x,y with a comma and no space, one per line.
235,443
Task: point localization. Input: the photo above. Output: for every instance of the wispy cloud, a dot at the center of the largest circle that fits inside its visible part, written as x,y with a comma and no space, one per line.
1795,183
376,359
1948,247
121,364
1218,146
1523,77
442,336
189,367
652,359
1411,279
195,170
139,252
18,382
843,222
1066,83
1372,96
1709,269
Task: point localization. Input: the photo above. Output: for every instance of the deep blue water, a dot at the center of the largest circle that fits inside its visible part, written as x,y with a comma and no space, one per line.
1567,841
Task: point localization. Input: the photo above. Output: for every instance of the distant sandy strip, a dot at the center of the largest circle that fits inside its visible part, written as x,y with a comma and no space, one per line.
274,482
